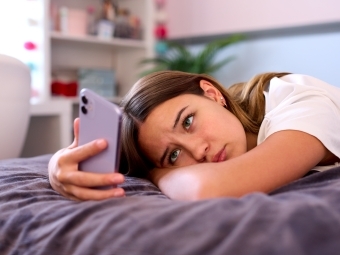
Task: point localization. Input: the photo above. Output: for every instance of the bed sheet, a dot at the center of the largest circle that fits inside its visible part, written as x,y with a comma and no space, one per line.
300,218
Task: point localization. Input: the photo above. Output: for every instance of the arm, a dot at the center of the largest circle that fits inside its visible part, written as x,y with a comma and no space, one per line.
66,179
282,158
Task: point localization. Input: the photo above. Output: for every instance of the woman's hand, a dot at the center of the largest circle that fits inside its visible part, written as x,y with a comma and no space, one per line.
66,179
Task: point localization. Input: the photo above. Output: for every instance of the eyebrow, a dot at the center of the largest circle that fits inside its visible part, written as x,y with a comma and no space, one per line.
179,114
178,117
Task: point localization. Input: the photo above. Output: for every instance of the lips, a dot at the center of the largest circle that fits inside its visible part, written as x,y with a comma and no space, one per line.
220,156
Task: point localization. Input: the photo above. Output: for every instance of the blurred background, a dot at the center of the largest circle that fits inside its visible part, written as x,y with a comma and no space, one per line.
106,45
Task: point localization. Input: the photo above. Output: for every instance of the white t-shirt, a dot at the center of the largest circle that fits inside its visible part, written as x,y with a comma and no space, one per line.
304,103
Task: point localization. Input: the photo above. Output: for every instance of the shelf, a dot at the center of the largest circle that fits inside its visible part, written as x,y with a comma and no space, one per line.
52,116
118,42
75,100
51,107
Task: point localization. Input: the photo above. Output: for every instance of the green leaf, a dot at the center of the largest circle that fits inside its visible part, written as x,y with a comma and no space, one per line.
155,69
180,58
157,60
212,48
213,68
180,49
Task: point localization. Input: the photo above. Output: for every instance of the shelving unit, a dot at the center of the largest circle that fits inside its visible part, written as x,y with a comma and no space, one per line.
94,40
120,55
72,52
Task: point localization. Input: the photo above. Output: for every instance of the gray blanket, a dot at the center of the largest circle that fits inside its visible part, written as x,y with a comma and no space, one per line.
300,218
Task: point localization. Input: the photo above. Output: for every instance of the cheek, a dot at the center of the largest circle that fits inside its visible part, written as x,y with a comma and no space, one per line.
223,124
185,160
213,125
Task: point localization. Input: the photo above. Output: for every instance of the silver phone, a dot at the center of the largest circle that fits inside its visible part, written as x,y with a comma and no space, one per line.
99,118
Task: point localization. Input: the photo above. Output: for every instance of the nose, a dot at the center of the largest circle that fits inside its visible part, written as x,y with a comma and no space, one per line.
197,148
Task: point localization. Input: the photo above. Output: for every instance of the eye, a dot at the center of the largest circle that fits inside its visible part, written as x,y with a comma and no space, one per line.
173,156
188,121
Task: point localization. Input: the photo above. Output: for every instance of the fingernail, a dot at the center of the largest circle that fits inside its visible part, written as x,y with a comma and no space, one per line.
101,143
117,178
119,193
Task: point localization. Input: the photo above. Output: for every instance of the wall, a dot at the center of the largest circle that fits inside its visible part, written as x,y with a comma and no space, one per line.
313,54
191,18
298,36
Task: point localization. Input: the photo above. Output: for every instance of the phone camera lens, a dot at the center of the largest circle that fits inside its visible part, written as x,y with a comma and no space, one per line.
84,110
84,99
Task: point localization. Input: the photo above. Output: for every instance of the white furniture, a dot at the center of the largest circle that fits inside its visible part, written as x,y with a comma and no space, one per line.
71,52
15,95
52,118
50,128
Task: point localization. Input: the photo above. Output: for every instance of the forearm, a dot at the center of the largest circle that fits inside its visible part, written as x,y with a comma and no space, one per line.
263,169
212,180
201,181
177,183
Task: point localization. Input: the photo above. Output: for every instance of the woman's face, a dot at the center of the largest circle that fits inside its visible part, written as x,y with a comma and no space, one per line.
191,129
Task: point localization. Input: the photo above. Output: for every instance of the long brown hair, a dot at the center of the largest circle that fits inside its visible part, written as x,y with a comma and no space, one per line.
244,100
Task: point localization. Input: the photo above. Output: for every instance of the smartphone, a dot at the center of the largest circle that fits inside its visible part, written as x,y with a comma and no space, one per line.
99,118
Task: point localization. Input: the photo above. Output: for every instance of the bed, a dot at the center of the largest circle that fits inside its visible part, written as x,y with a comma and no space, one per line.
300,218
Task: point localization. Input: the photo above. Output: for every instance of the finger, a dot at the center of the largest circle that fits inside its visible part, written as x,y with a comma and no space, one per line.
76,133
85,151
88,179
69,196
92,194
76,130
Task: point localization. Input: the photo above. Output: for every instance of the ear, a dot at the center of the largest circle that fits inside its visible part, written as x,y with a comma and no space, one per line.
210,91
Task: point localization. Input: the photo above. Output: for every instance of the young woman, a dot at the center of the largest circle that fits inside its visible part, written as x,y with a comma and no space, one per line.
195,139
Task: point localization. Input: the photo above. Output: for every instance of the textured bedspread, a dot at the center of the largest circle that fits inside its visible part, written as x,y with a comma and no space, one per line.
301,218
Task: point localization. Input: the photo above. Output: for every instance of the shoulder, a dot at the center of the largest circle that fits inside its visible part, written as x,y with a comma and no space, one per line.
303,79
296,87
303,103
301,82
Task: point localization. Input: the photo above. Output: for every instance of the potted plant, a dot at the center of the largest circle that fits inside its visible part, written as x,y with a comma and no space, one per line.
178,57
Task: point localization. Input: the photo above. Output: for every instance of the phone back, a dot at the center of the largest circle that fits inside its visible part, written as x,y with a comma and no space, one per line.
99,118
